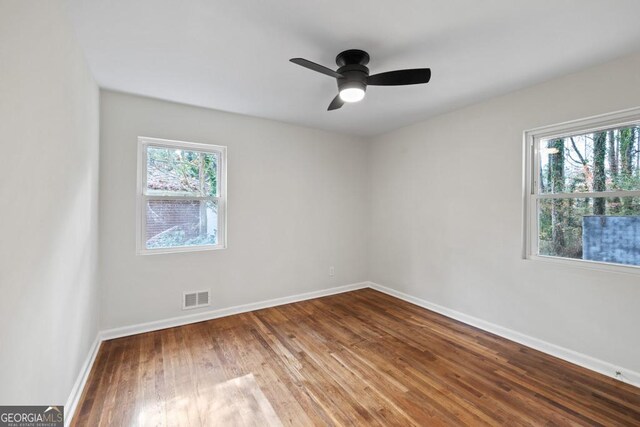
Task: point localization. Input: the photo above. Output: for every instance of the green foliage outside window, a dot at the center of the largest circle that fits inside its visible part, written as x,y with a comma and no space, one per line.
175,171
596,162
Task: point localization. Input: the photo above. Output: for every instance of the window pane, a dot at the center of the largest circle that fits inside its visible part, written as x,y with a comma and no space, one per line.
172,171
173,223
210,181
598,161
596,229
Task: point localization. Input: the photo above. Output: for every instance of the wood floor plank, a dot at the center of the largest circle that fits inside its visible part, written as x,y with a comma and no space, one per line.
358,358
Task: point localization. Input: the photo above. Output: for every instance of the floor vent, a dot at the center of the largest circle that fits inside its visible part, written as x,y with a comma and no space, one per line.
195,299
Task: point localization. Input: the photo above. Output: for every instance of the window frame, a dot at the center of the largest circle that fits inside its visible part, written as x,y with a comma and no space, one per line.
142,198
530,184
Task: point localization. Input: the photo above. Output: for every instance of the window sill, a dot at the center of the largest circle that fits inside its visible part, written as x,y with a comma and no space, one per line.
179,249
588,265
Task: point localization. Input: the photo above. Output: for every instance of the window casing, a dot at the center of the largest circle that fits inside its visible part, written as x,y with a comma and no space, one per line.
181,196
593,206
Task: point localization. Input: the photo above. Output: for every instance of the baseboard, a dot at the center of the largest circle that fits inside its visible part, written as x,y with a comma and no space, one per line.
580,359
571,356
78,386
223,312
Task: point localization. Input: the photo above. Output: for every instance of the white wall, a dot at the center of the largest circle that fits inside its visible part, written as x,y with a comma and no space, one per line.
297,204
433,210
447,209
48,188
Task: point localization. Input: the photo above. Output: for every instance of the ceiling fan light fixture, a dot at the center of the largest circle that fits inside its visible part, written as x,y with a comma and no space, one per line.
353,76
351,90
352,94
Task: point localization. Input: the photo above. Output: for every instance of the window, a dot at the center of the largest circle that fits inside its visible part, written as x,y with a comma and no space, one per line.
181,196
582,191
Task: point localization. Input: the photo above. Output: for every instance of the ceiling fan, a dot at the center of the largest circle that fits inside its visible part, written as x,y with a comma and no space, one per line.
353,76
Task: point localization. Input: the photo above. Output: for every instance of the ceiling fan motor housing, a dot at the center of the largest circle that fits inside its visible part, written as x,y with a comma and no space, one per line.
353,76
352,69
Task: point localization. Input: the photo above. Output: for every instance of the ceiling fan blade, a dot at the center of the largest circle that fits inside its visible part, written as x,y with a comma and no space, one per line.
315,67
400,77
336,103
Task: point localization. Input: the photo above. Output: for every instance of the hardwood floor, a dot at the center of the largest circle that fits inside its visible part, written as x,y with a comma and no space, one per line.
358,358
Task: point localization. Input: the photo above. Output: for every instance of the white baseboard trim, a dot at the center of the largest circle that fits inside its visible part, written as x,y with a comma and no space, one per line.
81,381
78,387
223,312
571,356
580,359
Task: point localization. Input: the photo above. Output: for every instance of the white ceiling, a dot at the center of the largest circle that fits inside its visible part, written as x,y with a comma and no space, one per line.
232,55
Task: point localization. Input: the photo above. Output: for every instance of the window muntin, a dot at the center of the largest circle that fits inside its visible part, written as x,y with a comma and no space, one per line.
181,196
583,190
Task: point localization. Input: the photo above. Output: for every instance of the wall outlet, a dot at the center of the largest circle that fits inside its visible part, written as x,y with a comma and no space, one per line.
332,271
